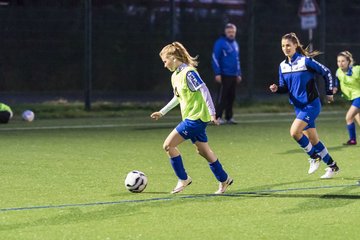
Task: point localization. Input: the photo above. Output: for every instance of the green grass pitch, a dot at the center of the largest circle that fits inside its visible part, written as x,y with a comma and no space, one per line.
68,175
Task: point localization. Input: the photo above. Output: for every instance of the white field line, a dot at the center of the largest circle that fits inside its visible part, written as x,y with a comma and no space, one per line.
255,120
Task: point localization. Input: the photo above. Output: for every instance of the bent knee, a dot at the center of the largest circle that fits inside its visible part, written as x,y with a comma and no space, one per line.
295,134
166,147
349,120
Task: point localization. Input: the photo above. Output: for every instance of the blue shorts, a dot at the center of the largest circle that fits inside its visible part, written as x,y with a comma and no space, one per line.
356,102
309,113
192,129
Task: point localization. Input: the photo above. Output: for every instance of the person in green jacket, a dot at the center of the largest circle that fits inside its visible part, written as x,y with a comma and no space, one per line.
5,113
348,78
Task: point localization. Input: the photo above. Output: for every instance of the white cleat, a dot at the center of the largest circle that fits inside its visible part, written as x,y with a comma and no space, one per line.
330,172
221,121
314,164
231,121
224,185
181,185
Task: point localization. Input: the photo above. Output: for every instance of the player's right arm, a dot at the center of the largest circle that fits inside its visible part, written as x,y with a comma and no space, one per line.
173,103
282,88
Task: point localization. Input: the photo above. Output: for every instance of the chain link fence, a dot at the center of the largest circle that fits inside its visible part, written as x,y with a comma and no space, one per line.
42,45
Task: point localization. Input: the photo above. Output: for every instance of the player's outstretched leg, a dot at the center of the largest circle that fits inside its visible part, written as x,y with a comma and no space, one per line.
332,168
314,159
181,185
224,180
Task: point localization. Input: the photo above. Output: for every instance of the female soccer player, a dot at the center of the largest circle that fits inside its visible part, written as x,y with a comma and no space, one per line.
348,76
297,77
197,109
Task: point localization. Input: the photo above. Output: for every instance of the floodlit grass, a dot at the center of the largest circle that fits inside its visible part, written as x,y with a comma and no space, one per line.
85,160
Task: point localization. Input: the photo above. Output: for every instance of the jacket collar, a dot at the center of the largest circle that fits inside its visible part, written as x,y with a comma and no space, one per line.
293,58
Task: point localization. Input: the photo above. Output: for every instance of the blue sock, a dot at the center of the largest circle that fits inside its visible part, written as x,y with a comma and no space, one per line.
177,164
323,153
351,130
218,171
306,145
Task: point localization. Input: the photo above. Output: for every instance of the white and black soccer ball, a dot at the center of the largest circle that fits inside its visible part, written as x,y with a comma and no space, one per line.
28,115
136,181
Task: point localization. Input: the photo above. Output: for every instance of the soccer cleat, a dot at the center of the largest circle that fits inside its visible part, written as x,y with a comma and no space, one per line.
224,185
314,164
231,121
221,121
330,172
350,142
181,185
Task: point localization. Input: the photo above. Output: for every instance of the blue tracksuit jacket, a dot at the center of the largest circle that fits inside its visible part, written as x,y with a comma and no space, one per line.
225,57
298,79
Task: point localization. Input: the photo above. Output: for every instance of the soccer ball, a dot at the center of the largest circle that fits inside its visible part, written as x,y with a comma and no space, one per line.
28,115
136,181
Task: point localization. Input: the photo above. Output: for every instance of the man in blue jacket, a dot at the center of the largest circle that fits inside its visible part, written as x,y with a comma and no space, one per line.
226,65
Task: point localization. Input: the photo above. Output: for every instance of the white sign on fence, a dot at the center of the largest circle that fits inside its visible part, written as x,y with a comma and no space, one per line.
308,22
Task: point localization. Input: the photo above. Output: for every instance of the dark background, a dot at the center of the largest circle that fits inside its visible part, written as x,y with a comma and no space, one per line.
42,42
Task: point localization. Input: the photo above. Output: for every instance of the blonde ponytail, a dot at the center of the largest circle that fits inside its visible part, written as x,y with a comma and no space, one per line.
178,51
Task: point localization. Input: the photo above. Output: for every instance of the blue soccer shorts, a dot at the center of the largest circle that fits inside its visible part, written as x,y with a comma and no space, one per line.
193,130
356,102
309,113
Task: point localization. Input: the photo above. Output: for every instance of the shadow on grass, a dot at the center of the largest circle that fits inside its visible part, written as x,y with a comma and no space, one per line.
315,202
310,196
75,215
142,193
78,214
299,150
276,185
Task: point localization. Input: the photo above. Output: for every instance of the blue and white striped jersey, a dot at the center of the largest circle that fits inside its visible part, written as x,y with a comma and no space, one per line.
298,79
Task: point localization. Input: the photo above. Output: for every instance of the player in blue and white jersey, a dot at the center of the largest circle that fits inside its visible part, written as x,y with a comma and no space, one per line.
297,78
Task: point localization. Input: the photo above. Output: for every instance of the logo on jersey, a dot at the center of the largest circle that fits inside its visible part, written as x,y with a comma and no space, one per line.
297,65
194,79
307,118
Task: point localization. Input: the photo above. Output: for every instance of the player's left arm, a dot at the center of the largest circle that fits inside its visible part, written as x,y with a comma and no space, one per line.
325,73
195,83
173,103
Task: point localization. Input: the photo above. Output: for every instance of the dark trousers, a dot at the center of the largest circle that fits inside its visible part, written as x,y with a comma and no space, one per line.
226,97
